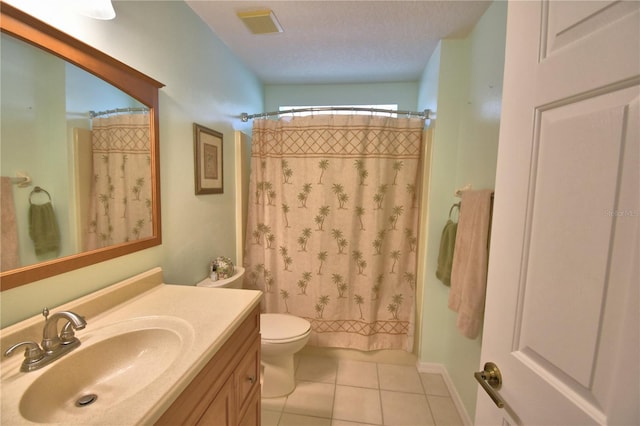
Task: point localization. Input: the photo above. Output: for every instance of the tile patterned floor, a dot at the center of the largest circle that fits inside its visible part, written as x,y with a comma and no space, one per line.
332,392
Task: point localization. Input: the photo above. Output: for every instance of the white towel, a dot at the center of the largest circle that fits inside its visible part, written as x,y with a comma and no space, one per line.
469,270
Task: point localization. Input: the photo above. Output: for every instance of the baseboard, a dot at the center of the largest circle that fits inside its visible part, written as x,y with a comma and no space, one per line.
434,368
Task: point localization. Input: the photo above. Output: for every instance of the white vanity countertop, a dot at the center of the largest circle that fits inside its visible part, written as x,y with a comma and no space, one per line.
208,317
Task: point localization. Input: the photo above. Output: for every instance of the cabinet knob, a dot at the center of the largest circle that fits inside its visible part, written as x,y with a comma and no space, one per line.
251,379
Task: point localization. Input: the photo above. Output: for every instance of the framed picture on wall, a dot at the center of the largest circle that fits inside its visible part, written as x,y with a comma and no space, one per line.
208,160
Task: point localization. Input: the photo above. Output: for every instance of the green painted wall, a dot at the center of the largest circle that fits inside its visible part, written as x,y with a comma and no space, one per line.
210,89
468,73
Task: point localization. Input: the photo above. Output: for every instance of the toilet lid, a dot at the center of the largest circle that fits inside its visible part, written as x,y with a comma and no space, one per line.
282,326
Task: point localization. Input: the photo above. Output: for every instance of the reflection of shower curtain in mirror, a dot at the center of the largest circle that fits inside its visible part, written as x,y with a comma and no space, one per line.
120,208
332,225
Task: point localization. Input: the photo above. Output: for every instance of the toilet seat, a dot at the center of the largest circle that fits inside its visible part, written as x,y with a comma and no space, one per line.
283,328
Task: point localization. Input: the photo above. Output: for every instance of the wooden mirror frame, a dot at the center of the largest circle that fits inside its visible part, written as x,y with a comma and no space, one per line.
24,27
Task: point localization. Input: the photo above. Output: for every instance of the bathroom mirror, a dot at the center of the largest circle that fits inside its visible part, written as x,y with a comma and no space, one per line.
61,99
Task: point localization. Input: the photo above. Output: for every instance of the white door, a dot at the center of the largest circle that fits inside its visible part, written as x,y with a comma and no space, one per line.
562,318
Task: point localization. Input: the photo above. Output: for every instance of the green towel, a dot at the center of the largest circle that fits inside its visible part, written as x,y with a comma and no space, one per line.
43,228
445,257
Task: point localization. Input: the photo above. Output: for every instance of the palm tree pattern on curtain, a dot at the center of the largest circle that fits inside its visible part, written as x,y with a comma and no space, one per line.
120,208
332,225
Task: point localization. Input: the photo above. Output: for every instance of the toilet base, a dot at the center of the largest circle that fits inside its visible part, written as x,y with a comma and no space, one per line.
279,376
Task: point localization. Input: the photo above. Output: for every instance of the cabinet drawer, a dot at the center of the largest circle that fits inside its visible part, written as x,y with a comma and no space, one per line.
248,373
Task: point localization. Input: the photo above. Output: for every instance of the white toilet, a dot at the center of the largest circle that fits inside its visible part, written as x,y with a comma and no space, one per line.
282,335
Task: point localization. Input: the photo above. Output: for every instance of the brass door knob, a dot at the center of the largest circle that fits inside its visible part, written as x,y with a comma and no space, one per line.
491,380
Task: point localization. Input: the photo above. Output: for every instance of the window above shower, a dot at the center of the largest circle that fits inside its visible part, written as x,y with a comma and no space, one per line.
343,110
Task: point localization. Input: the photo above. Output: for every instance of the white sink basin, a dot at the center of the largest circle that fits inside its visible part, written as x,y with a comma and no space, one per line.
112,365
144,342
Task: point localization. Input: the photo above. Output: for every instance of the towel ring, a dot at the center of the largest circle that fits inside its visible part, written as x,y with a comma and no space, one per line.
452,207
36,190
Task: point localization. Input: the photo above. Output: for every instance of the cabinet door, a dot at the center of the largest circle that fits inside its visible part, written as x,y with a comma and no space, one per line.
247,374
251,417
222,411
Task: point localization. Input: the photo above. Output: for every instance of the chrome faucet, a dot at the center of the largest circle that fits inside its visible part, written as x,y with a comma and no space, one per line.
53,345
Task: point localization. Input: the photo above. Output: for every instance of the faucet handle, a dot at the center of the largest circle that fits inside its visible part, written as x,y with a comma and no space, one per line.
45,314
67,334
32,352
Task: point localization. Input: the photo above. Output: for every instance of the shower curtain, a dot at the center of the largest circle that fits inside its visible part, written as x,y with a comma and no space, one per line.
332,225
120,209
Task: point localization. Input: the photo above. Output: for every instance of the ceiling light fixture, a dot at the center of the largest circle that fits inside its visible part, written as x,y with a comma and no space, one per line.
97,9
261,21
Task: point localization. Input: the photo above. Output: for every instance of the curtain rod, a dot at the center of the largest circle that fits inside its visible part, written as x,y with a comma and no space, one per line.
426,114
94,114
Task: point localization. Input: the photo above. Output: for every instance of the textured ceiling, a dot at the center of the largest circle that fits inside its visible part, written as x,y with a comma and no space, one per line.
341,41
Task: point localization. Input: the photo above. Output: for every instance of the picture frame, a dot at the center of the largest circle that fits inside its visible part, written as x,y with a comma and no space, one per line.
208,146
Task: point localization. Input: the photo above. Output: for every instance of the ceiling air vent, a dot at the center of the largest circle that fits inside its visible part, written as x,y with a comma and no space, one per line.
261,21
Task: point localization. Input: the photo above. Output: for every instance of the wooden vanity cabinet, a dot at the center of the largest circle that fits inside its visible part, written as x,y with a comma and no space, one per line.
227,390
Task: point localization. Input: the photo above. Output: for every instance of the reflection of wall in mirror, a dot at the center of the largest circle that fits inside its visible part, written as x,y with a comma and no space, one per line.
33,119
44,100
